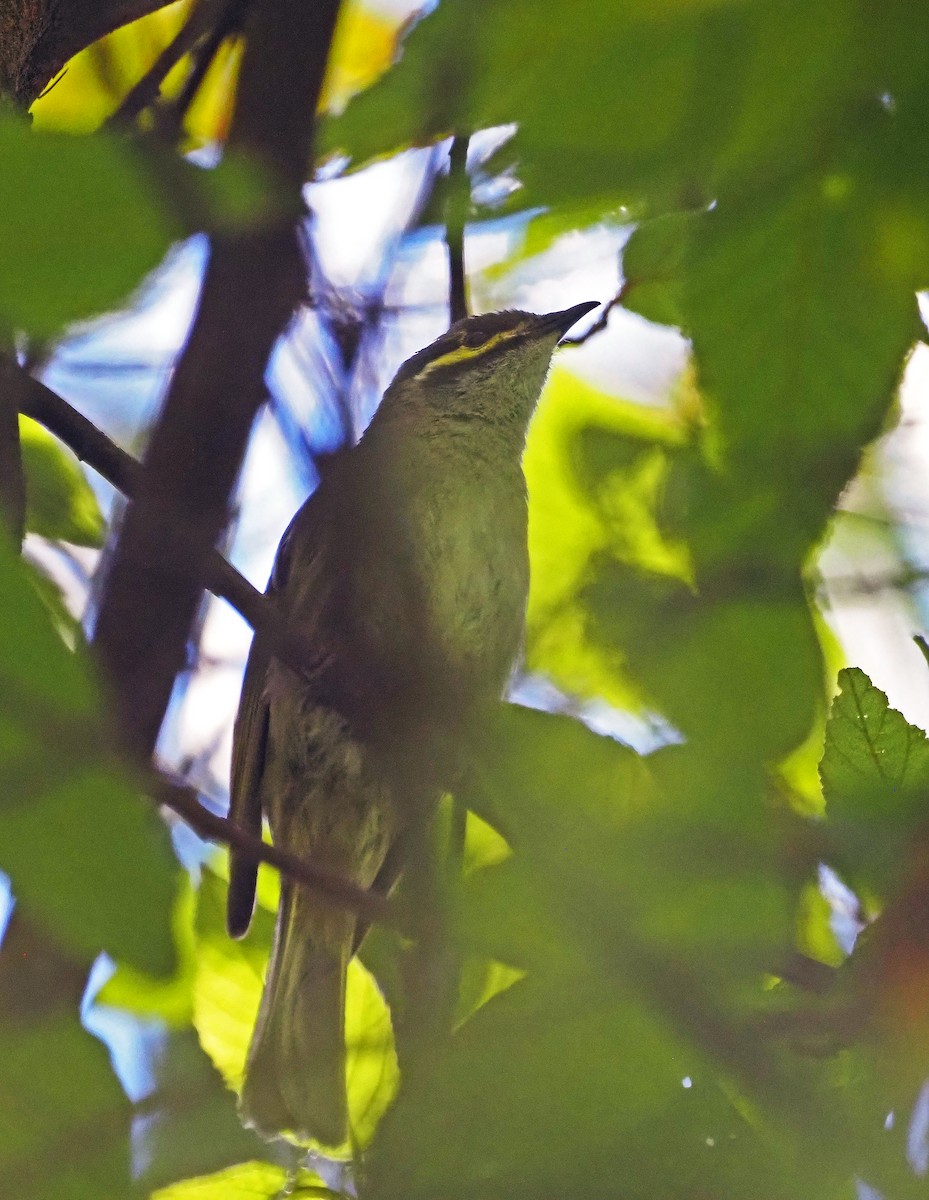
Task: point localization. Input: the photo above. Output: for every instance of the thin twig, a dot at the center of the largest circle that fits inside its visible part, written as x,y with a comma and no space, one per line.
145,93
228,24
12,480
337,890
601,321
456,215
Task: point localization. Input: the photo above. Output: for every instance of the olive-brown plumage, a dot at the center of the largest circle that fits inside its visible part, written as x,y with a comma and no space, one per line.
407,570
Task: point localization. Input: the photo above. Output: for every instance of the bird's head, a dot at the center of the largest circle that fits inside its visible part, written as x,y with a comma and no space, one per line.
486,368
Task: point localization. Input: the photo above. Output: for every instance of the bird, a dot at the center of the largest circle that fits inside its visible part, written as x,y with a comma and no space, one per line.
406,573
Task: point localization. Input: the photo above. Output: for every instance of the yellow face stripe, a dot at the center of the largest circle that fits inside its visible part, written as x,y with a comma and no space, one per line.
460,353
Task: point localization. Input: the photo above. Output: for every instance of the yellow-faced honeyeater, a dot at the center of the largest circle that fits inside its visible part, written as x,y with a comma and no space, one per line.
407,574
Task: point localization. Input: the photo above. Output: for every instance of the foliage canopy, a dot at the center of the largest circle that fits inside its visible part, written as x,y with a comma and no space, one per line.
652,997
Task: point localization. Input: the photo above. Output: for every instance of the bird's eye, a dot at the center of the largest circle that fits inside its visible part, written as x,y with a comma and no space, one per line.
473,339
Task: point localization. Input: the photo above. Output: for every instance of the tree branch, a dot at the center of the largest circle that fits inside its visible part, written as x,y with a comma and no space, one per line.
335,889
254,282
601,322
37,37
12,481
459,199
91,445
146,91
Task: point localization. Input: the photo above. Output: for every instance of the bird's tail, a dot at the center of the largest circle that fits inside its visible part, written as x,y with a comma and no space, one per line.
295,1072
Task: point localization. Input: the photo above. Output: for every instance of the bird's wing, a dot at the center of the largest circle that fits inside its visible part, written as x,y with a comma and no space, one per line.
249,746
249,742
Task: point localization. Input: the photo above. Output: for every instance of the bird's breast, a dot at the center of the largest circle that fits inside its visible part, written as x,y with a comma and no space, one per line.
474,573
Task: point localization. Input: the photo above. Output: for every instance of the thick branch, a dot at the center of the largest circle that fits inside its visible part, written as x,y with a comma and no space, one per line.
338,891
37,37
254,282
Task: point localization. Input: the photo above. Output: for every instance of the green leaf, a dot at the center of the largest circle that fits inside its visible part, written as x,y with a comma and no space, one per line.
800,330
249,1181
653,267
169,1000
533,1085
66,1129
60,503
594,466
627,101
66,1120
875,774
598,843
82,224
191,1123
84,850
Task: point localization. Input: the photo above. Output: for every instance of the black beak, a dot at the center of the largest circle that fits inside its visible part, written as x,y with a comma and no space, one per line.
561,322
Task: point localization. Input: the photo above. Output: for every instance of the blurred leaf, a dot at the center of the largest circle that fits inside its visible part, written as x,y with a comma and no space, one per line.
799,333
206,121
66,1122
875,773
226,996
65,1118
653,267
95,80
815,935
60,503
546,1083
371,1067
524,1091
594,466
229,979
82,226
110,881
169,1000
599,845
190,1121
86,853
645,921
249,1181
659,101
742,674
38,976
363,48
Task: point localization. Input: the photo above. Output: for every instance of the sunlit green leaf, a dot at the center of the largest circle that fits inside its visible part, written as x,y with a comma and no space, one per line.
594,465
227,991
875,773
249,1181
59,501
